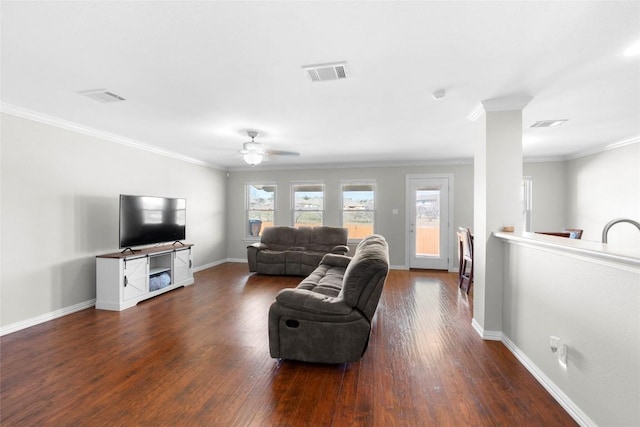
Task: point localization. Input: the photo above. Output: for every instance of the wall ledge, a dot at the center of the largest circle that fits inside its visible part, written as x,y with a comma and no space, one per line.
581,249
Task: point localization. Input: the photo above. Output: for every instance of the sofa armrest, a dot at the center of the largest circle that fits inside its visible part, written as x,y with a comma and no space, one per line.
336,260
312,302
340,250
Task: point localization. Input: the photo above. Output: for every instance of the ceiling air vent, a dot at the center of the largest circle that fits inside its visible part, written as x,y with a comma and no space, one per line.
548,123
326,72
101,95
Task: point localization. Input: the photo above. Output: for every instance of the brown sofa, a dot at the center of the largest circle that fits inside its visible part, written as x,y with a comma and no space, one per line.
327,317
289,251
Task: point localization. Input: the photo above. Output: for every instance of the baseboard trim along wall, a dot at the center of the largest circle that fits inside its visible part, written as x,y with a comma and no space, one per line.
211,264
572,409
27,323
486,335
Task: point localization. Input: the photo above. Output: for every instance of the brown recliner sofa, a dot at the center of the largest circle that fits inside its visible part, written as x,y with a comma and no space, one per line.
290,251
327,317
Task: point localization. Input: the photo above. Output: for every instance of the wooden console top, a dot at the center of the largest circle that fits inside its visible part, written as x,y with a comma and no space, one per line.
146,251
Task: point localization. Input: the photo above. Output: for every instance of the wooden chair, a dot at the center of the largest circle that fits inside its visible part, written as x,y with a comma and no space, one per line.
555,233
465,252
574,233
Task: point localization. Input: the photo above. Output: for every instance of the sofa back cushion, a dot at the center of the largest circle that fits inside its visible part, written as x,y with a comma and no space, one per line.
324,238
365,275
279,238
303,237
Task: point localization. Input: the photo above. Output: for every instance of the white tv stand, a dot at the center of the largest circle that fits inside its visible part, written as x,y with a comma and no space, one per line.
123,279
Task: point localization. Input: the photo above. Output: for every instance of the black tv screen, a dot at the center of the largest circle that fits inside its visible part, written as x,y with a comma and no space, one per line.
146,220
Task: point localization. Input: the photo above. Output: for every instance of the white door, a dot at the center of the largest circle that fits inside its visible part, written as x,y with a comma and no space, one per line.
428,222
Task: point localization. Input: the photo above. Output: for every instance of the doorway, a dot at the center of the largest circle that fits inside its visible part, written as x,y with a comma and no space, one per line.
429,214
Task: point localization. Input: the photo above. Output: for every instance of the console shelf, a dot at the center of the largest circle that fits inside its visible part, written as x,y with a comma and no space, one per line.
123,279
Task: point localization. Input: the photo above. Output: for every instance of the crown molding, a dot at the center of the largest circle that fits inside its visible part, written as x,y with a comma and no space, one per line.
505,103
612,146
46,119
545,159
316,166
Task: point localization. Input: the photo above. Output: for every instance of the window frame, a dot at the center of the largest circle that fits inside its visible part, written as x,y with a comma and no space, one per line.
355,183
526,192
321,211
248,210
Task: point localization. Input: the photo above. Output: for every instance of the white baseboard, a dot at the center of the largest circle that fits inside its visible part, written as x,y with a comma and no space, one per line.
572,409
244,260
211,264
24,324
486,335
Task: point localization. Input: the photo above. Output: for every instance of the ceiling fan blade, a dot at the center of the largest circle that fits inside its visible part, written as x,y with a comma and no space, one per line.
281,153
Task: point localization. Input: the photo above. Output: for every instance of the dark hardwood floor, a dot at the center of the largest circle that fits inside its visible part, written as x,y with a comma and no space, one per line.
199,356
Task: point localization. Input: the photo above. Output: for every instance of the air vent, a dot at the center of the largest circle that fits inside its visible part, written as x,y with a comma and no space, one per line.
548,123
102,95
326,72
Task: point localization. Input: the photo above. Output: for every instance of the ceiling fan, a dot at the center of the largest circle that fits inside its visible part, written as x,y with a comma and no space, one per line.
254,152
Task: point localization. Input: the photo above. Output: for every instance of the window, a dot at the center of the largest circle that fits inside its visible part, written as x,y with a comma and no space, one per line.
308,204
261,205
526,194
358,208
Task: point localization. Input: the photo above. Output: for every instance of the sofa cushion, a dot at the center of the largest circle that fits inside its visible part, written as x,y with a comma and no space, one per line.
303,236
292,258
324,239
279,238
325,280
268,256
311,258
371,258
313,302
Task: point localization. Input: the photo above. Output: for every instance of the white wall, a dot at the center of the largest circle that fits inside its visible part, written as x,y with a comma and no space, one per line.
390,195
604,186
591,304
60,193
549,195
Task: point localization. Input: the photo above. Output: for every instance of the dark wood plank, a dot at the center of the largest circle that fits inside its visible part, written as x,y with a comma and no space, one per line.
199,356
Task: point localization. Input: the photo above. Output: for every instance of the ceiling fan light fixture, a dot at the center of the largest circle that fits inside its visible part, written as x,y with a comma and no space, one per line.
252,158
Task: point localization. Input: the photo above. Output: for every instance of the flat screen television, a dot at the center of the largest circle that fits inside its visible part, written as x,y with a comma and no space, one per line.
147,220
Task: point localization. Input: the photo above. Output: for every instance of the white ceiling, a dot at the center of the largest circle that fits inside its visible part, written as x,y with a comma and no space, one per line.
196,74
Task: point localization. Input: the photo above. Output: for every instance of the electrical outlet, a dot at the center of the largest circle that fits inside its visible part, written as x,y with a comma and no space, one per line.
562,354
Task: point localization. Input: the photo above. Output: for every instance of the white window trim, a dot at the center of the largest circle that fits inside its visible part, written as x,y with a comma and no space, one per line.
247,237
371,182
